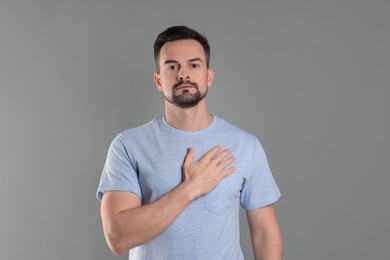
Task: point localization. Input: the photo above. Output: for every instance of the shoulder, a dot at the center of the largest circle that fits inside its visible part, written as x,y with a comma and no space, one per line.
137,135
233,131
141,130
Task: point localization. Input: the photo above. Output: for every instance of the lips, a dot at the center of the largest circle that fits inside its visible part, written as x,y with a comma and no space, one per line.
184,87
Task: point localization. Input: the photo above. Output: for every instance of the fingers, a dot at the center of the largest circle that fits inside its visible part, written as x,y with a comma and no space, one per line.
215,157
228,171
223,164
222,155
211,153
189,157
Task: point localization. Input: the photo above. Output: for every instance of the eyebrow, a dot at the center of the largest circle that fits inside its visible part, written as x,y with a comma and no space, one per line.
174,61
196,59
170,61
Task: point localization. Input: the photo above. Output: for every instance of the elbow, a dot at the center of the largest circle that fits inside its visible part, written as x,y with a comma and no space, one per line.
118,244
116,249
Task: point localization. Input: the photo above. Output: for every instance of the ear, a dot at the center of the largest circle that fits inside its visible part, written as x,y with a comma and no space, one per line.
157,81
210,77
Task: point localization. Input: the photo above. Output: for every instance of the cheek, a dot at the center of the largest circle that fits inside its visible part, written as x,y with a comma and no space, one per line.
168,78
166,85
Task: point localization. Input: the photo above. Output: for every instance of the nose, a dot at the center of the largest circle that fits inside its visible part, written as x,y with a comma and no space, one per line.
183,75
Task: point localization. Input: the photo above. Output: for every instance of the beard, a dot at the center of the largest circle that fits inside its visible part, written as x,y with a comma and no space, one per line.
185,99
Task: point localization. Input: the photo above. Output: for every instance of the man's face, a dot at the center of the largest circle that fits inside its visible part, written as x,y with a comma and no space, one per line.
184,77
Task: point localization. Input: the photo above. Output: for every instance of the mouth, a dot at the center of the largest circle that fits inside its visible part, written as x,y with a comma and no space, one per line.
184,87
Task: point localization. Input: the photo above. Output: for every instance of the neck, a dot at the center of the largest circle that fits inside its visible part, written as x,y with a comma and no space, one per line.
188,119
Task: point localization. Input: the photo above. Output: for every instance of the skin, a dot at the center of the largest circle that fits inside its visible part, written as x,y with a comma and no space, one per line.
265,233
126,222
184,59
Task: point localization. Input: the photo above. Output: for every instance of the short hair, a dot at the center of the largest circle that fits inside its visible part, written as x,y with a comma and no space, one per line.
176,33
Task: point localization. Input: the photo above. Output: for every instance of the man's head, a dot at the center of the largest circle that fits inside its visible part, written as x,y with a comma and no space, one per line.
176,33
183,75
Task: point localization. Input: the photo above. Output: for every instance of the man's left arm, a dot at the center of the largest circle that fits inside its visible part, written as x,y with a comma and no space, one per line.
265,233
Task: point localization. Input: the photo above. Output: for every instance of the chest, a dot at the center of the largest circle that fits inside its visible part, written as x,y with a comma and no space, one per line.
161,171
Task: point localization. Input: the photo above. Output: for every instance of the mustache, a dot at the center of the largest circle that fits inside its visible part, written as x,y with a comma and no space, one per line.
185,82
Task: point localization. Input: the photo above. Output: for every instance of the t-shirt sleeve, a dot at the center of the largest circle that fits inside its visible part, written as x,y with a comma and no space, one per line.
260,189
119,172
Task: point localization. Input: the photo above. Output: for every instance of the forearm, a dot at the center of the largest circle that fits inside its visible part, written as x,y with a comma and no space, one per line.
132,227
267,247
265,234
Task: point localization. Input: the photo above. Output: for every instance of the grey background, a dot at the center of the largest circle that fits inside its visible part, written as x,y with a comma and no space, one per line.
309,78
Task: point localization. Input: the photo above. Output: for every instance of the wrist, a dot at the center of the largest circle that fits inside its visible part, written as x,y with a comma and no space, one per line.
187,191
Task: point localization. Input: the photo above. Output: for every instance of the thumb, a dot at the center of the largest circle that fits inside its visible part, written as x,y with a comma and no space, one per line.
189,157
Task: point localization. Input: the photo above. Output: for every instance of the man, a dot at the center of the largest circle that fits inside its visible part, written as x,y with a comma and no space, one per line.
171,188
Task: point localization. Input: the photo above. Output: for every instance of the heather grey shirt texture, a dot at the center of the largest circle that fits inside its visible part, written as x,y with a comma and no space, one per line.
147,161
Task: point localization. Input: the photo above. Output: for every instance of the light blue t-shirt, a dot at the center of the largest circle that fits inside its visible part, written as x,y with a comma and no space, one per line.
147,161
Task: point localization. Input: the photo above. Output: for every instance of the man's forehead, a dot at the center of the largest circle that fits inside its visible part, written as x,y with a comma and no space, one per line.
187,50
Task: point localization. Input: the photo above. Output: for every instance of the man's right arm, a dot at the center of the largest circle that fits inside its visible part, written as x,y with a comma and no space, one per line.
127,224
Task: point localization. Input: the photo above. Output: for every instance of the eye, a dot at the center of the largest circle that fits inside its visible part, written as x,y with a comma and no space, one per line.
194,65
172,67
